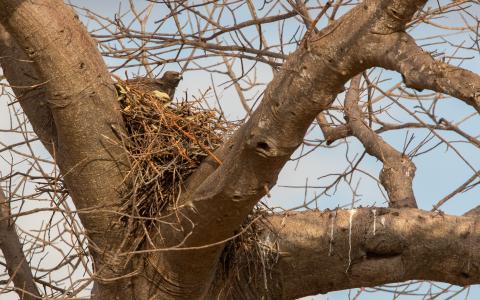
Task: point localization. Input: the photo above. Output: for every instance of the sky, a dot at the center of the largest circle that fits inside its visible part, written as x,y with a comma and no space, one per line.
438,173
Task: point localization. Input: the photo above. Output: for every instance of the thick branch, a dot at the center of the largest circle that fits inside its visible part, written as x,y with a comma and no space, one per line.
398,170
420,71
219,199
342,249
28,87
83,104
255,155
17,264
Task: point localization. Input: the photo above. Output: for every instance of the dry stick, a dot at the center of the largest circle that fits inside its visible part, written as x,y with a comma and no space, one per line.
312,26
430,128
177,248
455,192
199,144
398,170
332,133
237,86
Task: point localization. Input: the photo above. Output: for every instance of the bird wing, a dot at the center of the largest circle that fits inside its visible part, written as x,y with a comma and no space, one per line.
164,97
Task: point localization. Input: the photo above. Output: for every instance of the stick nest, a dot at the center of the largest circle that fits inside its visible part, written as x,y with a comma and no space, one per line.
166,142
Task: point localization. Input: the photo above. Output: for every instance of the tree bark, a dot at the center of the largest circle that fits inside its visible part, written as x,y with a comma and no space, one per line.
320,252
420,71
29,88
82,102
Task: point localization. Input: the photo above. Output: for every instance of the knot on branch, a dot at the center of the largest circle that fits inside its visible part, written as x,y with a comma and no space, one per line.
266,147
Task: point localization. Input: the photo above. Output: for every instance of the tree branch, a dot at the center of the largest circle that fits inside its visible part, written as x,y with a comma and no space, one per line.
332,133
398,170
17,265
220,197
420,71
28,87
82,100
342,249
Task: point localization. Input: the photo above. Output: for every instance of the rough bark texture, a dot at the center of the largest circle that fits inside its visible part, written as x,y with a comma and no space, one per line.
341,249
28,87
82,102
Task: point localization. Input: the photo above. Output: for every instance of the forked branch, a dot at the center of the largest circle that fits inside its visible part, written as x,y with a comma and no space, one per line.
398,170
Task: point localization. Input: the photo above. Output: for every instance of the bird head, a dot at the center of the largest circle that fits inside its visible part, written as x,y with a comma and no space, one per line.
172,77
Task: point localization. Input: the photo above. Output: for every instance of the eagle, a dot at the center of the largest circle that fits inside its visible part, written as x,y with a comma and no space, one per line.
167,84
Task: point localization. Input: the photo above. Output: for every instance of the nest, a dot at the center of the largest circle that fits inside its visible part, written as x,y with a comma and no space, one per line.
166,142
249,254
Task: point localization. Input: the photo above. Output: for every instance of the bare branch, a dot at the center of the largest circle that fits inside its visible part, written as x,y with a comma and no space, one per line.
332,133
362,247
375,246
420,71
17,264
398,170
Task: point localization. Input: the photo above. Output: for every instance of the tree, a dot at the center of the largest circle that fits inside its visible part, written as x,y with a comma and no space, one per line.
66,90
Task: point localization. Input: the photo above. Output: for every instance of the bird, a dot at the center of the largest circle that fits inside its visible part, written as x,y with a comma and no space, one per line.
167,84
